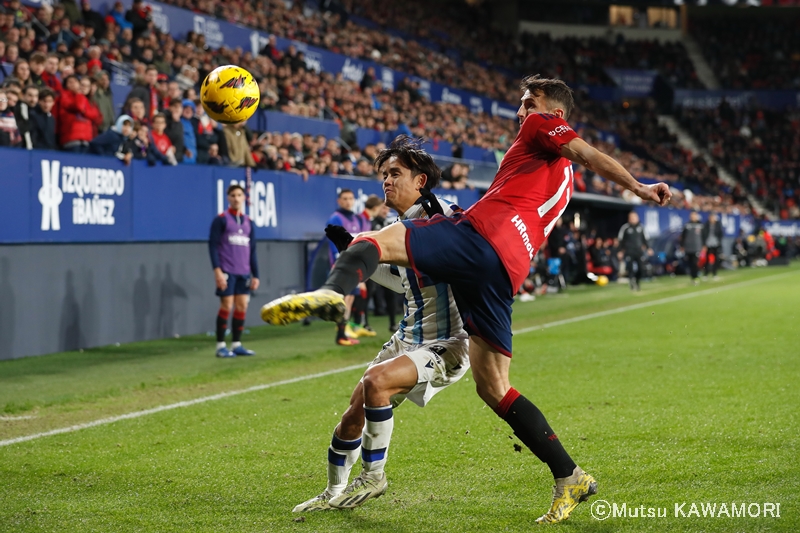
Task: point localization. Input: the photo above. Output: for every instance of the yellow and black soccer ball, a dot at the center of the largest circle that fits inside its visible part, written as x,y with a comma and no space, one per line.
229,94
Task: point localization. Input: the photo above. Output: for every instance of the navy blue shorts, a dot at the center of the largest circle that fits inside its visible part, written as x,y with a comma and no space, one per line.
449,250
236,285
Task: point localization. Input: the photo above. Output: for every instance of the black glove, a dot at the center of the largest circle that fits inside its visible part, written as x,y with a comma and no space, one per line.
339,236
430,203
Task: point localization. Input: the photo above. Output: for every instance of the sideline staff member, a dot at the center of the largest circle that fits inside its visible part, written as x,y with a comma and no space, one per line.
232,246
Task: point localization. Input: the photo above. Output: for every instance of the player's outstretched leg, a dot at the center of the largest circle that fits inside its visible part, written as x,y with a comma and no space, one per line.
371,483
353,266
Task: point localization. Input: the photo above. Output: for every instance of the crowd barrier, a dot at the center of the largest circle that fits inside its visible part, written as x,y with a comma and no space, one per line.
68,198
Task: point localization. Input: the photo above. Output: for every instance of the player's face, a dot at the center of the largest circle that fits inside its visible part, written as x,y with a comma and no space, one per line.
535,103
236,199
347,201
399,186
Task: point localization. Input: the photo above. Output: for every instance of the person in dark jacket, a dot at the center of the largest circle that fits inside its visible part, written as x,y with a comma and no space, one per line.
692,243
115,141
139,15
633,241
175,129
712,240
147,92
43,123
208,134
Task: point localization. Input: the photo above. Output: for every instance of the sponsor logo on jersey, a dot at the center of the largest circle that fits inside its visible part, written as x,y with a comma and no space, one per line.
523,233
560,130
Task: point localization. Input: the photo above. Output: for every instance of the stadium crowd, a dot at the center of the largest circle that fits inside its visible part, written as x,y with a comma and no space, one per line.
761,146
66,52
744,55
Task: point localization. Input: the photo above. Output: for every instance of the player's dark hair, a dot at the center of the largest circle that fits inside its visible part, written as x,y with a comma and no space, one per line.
233,187
408,151
373,201
344,191
556,91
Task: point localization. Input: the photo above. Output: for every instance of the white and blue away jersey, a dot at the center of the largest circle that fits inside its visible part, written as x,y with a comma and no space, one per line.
430,312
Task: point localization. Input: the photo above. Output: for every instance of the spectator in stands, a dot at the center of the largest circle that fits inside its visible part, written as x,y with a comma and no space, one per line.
88,89
43,123
455,176
92,19
213,157
161,142
139,15
146,91
116,142
78,119
36,64
207,134
50,74
175,129
190,124
9,133
24,114
238,147
135,108
22,72
104,99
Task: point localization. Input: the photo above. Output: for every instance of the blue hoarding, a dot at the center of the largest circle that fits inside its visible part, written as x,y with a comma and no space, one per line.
60,197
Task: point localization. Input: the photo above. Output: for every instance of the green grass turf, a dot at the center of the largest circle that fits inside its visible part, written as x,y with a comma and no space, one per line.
692,400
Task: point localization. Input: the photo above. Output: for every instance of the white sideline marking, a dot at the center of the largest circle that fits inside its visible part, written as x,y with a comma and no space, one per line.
187,403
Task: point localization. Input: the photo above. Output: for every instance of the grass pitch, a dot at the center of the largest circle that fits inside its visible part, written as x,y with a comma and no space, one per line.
687,396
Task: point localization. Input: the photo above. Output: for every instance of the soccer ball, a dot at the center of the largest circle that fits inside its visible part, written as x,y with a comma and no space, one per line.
229,94
602,281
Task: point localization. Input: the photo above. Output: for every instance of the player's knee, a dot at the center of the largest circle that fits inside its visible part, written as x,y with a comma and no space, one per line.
489,393
375,380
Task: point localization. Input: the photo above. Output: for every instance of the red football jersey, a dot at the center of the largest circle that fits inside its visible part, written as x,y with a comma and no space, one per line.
530,192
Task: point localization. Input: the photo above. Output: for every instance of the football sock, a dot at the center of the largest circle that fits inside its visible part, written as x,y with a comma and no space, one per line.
235,345
340,330
222,324
356,264
376,436
342,455
532,429
220,345
237,325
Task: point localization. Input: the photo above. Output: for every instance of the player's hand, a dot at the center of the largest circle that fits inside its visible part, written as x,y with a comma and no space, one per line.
430,203
658,193
254,284
339,236
220,279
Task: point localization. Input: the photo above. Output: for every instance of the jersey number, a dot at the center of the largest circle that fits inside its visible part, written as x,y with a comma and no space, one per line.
553,201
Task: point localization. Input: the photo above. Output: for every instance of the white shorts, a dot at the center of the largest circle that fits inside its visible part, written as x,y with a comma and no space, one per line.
439,364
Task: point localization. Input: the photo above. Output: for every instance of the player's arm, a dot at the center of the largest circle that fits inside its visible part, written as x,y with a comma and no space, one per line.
253,258
217,229
389,277
579,152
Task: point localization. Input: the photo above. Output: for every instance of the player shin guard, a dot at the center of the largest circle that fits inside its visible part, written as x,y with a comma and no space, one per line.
532,429
356,264
342,455
376,436
237,325
222,324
